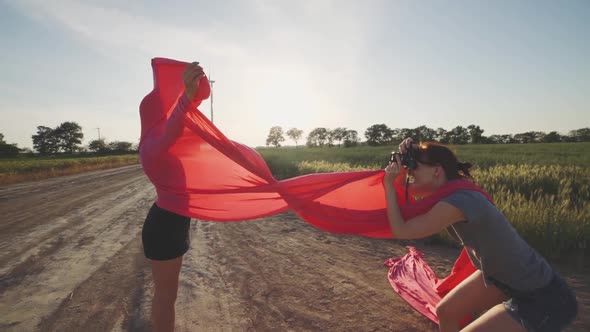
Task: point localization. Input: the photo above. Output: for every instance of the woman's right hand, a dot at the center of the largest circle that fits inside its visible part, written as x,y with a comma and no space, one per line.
192,76
392,170
406,145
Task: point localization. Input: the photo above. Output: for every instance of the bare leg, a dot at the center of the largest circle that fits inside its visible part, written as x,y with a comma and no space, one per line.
165,275
469,297
495,319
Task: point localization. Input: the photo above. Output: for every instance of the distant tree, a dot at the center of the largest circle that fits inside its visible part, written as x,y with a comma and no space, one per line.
295,134
351,138
528,137
475,134
317,137
552,137
523,138
378,134
45,141
338,134
120,147
330,138
580,135
69,135
539,136
442,136
418,134
487,140
458,135
409,133
395,135
275,136
98,146
424,134
568,138
497,139
507,139
584,134
7,150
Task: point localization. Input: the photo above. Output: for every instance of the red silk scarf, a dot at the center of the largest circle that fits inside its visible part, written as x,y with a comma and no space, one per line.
203,174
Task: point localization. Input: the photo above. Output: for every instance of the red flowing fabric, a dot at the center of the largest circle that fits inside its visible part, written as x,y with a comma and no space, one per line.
203,174
412,278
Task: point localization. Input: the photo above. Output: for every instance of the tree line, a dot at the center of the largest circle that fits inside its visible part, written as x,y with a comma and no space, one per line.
381,134
65,138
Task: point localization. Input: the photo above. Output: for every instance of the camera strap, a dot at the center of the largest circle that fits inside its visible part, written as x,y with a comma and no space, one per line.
407,186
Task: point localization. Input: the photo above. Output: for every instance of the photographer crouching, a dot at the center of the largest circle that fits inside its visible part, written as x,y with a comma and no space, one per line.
514,288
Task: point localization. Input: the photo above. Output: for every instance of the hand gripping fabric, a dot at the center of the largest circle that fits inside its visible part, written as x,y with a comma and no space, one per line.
198,172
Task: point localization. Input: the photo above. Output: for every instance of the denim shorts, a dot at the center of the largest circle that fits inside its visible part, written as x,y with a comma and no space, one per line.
547,309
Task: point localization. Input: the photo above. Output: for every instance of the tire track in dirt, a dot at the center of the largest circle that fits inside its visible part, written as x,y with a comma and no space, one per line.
280,274
43,266
108,299
33,214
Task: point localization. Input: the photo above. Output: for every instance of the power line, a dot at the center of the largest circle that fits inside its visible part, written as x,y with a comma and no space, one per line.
211,83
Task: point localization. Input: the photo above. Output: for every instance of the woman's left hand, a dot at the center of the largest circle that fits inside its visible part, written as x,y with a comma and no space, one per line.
392,170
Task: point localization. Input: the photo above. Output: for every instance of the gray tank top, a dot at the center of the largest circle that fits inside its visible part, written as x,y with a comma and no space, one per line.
494,246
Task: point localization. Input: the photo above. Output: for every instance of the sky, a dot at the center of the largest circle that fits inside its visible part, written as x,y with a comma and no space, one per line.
509,66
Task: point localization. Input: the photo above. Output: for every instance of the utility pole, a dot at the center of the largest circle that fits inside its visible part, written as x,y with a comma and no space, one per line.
211,81
98,133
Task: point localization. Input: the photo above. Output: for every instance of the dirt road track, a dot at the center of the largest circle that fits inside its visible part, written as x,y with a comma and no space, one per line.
71,260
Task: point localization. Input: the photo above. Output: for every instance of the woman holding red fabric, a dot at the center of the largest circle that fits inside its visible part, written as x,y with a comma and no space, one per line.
165,234
514,285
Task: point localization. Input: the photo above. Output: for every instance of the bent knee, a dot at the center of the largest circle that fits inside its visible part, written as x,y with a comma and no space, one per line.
443,310
447,310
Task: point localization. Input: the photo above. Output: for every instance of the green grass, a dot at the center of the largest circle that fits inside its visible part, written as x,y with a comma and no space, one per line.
31,165
32,169
282,161
563,154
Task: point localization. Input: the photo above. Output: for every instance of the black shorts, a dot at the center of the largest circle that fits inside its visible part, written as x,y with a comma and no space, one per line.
549,308
165,234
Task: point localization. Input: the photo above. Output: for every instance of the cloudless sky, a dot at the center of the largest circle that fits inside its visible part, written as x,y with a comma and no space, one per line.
508,66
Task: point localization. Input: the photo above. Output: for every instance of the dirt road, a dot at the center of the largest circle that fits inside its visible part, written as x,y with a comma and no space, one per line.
71,260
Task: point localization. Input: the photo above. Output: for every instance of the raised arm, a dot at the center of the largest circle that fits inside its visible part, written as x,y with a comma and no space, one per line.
439,217
175,123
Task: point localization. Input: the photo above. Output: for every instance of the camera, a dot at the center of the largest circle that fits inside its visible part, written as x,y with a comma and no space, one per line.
408,159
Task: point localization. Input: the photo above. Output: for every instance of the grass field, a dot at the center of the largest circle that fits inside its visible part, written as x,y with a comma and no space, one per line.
544,189
31,169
